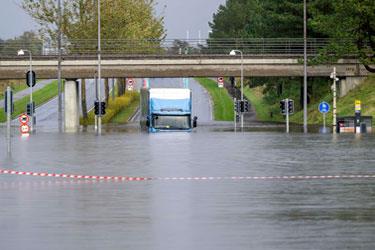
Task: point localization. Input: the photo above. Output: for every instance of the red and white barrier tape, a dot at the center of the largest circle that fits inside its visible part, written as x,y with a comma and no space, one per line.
128,178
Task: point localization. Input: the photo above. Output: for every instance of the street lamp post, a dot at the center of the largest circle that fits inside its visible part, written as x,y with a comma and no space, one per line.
233,53
30,77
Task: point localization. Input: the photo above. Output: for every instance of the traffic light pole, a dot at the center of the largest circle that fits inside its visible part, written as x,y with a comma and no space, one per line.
235,115
32,120
99,131
287,114
9,113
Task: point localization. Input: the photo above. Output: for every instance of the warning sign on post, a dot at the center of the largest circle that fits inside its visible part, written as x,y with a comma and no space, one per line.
24,126
220,82
130,84
357,106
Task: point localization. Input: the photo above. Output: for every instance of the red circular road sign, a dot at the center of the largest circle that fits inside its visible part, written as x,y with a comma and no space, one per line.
25,129
220,79
130,81
24,119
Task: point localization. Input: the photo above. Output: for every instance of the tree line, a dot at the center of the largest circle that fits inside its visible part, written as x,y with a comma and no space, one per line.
352,21
349,25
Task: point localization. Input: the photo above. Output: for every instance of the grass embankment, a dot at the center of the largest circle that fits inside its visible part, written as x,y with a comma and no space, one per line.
345,105
16,85
117,111
222,102
39,97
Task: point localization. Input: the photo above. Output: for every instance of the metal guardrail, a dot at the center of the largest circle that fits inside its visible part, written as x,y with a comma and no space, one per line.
85,47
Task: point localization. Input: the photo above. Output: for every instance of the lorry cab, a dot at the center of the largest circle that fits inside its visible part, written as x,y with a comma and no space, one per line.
167,109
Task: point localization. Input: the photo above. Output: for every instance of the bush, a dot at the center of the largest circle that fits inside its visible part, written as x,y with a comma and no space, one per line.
113,108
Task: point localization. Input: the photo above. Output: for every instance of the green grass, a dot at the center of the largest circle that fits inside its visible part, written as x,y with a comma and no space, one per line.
39,97
222,102
16,87
263,110
124,115
345,105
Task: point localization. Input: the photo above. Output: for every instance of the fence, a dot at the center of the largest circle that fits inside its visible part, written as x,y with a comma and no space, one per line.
86,47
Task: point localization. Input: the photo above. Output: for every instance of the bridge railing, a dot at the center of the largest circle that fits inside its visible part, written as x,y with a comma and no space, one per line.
165,47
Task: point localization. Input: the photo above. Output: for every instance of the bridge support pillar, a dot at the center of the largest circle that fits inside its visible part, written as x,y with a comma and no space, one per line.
349,83
71,101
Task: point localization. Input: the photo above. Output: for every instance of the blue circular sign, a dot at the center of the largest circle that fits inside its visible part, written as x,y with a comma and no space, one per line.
324,107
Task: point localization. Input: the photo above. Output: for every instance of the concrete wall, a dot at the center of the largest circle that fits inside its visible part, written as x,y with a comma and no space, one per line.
178,67
71,108
349,83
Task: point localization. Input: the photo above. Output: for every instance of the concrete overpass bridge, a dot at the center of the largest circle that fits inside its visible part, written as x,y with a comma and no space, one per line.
138,59
174,66
172,58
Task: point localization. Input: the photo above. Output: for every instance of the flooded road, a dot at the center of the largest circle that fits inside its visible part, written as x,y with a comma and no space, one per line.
47,213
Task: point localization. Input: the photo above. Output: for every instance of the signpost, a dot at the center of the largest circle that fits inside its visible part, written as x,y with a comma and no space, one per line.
24,127
130,84
324,109
220,82
357,120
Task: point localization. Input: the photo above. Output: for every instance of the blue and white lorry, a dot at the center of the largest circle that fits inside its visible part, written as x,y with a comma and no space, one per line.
167,109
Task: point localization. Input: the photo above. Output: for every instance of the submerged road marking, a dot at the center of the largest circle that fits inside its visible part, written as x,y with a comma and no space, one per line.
202,178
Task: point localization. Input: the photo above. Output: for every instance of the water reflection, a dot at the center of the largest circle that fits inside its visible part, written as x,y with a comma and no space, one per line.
274,214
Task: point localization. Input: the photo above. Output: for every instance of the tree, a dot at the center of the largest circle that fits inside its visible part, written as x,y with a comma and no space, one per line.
28,40
120,20
351,25
236,19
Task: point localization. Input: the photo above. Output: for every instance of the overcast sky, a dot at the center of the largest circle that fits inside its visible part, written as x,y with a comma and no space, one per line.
181,17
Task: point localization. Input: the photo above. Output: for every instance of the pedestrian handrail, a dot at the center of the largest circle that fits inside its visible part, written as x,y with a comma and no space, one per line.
84,47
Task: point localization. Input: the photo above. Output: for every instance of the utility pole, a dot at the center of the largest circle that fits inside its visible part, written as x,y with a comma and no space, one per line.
59,84
304,67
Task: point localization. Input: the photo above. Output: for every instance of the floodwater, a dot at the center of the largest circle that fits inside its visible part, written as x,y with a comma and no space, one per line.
47,213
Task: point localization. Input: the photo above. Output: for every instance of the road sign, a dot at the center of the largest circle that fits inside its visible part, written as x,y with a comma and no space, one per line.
33,75
357,106
130,83
23,119
324,107
25,129
220,82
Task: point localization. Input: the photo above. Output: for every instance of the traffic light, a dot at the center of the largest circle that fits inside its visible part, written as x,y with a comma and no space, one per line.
282,107
99,108
236,107
6,102
290,107
96,108
30,108
102,108
28,80
232,80
242,106
247,106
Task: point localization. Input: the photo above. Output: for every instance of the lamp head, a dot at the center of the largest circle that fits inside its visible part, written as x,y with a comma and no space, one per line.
21,52
232,53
